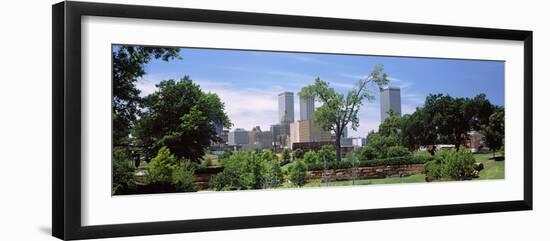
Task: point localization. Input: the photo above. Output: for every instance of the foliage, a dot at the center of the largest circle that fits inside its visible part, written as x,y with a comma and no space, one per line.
367,152
235,175
123,171
166,169
378,143
248,170
274,174
460,165
326,154
298,153
180,116
206,161
311,157
226,154
397,151
493,131
257,168
183,177
285,156
444,119
416,130
338,110
423,155
129,65
456,165
360,162
298,173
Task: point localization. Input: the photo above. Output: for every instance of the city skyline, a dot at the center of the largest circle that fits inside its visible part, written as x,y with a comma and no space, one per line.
248,82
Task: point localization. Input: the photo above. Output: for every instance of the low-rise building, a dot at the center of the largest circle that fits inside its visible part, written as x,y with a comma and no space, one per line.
307,131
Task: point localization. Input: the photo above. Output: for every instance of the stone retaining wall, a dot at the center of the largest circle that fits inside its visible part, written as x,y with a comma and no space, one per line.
367,172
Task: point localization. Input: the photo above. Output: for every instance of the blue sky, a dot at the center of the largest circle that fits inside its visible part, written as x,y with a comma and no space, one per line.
248,81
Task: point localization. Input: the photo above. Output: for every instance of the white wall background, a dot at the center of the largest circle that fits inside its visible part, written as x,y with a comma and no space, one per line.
25,119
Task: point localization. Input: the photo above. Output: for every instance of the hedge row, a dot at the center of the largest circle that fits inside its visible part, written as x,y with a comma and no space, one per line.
402,160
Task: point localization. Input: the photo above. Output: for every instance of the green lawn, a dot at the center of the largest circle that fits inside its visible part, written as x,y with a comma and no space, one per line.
492,170
390,180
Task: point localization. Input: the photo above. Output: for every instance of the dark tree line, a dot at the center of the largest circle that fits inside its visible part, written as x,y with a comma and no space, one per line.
447,120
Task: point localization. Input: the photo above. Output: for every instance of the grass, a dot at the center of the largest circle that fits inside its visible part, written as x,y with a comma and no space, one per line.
492,170
390,180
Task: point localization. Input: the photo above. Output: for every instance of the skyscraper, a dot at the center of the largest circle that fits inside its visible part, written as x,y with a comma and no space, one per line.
307,106
286,107
390,99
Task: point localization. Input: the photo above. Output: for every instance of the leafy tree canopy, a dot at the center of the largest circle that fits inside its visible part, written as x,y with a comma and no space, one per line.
182,117
128,65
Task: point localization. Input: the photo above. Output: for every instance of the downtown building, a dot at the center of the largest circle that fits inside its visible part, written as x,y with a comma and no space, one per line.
390,100
238,137
281,132
305,131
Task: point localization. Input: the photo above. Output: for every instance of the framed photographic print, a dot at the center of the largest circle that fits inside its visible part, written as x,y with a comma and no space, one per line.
170,120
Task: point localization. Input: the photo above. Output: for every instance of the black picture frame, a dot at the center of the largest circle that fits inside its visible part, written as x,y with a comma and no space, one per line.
66,128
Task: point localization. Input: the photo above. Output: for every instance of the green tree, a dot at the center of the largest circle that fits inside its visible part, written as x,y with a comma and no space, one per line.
456,165
258,168
397,151
285,157
298,173
274,174
236,174
337,110
123,171
326,153
180,116
128,66
310,157
167,170
298,153
452,118
493,131
378,143
416,130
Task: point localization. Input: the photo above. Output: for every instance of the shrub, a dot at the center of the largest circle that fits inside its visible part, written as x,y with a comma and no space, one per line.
397,151
123,171
402,160
166,170
367,153
257,169
311,158
244,170
456,165
285,157
423,155
161,167
274,174
183,177
228,179
327,153
298,153
298,173
460,165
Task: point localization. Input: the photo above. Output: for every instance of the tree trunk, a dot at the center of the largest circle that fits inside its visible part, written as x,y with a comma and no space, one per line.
338,148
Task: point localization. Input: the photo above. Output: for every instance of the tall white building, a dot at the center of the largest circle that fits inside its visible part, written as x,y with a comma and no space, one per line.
286,107
390,99
307,107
